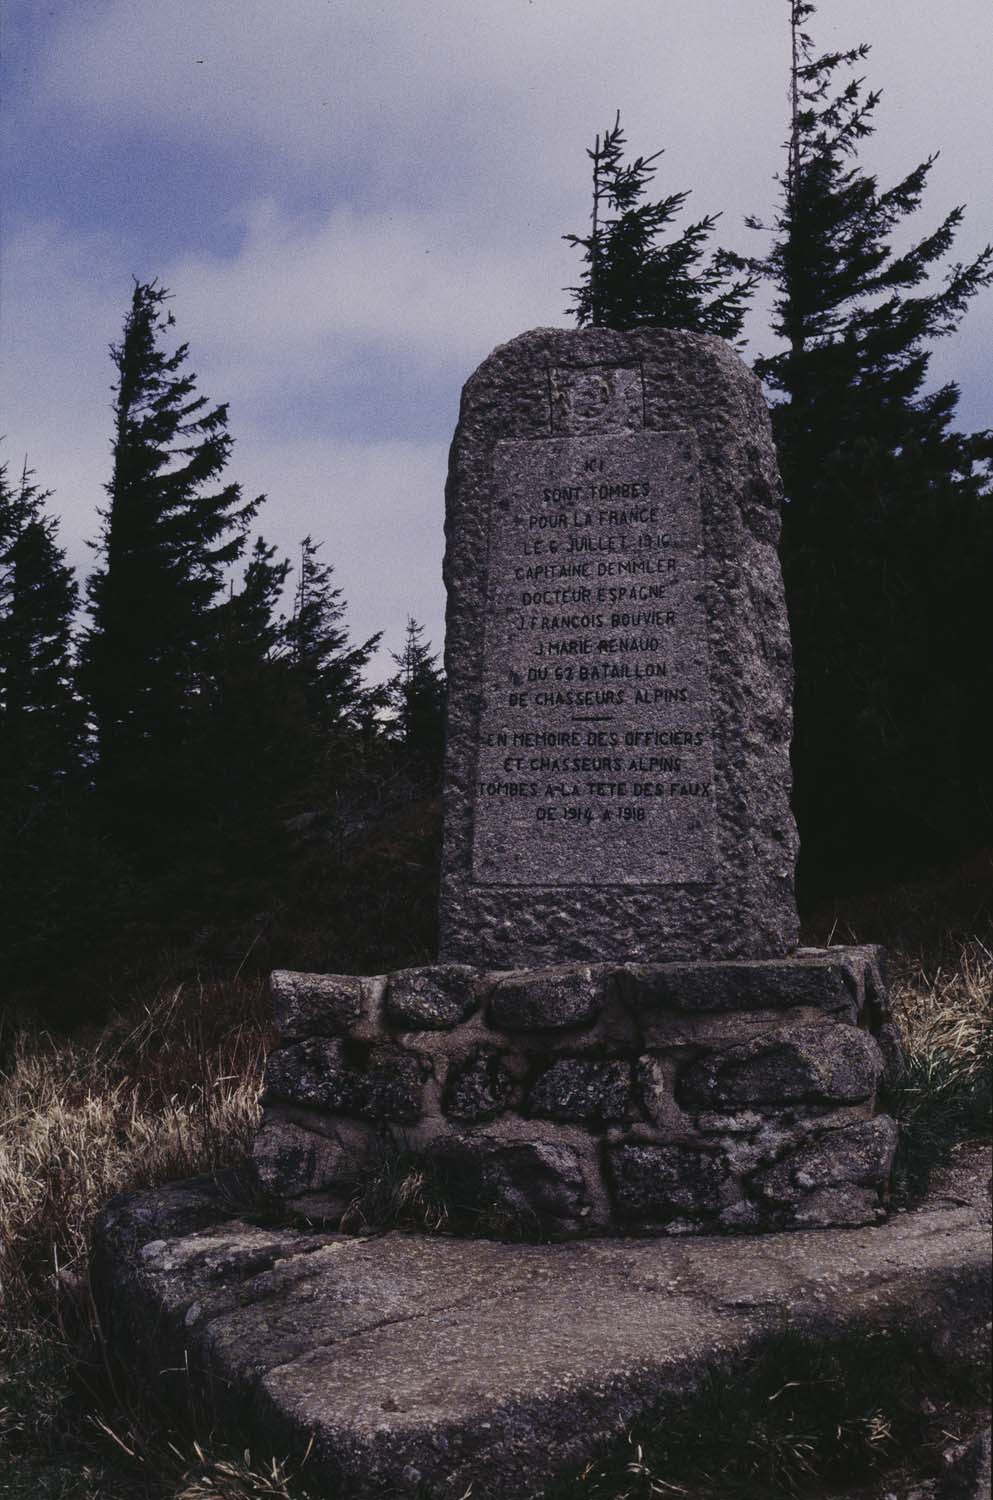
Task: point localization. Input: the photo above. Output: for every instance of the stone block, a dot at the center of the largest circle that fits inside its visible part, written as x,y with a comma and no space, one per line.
311,1073
879,1013
292,1160
575,1089
478,1088
646,813
857,1155
665,1182
392,1085
837,1207
373,1083
778,984
406,1360
315,1004
518,1187
433,998
893,1051
547,999
832,1063
654,1091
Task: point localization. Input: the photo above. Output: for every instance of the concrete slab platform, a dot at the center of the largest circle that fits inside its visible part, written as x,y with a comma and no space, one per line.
412,1360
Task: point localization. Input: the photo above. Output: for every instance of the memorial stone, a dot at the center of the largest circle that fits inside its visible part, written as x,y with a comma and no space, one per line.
618,660
620,1034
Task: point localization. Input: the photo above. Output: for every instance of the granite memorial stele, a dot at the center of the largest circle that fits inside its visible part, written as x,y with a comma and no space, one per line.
620,1031
618,658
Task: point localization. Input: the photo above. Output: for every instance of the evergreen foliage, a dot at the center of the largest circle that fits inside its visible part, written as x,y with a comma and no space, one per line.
169,537
252,619
248,747
417,697
57,887
888,522
240,764
41,723
633,276
328,669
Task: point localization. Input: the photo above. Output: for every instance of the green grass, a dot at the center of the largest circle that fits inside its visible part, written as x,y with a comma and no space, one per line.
798,1416
411,1190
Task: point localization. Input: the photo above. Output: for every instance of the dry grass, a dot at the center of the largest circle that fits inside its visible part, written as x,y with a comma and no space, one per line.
397,1191
799,1418
946,1017
946,1011
174,1093
171,1094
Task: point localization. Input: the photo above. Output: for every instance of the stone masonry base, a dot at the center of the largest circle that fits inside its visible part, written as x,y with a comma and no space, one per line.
675,1098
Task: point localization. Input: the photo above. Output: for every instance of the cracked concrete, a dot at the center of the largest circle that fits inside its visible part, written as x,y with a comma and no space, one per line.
409,1359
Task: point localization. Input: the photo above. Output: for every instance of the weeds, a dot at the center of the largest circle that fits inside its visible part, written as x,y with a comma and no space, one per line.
173,1092
799,1415
946,1017
397,1190
170,1094
406,1189
235,1479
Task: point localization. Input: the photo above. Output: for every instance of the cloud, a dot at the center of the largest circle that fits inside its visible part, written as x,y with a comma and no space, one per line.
484,102
479,111
63,304
392,178
302,300
376,503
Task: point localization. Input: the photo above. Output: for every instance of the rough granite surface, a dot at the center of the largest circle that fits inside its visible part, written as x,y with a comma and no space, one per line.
407,1360
680,1098
691,384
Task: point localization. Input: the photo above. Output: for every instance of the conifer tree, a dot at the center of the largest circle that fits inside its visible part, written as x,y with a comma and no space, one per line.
249,745
255,625
52,874
41,722
887,523
633,275
171,530
417,696
327,668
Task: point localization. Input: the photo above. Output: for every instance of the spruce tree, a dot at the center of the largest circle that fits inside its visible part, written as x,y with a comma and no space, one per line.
41,722
57,890
328,669
632,274
171,530
887,523
255,627
417,697
249,745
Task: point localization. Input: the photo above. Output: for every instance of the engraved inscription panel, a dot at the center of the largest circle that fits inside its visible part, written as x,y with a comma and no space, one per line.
595,762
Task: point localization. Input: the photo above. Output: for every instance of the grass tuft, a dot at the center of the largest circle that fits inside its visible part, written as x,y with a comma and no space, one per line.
397,1190
946,1095
799,1415
169,1095
240,1478
416,1190
172,1091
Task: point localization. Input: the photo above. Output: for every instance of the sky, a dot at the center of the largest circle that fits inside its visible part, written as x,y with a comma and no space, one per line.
353,201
